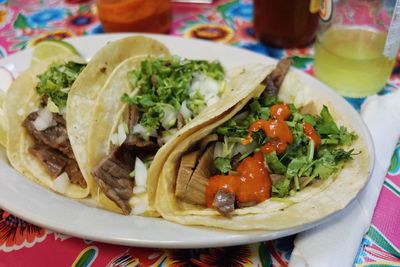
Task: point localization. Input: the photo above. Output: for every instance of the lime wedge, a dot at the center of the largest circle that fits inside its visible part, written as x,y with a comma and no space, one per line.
50,48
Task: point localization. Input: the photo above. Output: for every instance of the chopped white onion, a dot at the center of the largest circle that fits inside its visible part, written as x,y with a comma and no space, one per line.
169,118
114,139
61,183
43,120
121,134
142,131
139,129
185,111
139,190
140,173
139,208
207,86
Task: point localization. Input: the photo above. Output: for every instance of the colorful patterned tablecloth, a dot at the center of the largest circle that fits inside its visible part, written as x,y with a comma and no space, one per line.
24,244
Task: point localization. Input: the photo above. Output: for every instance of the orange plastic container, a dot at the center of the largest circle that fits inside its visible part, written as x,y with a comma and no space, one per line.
135,15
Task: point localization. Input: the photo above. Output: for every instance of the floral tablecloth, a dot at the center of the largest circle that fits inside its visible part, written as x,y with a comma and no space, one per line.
24,244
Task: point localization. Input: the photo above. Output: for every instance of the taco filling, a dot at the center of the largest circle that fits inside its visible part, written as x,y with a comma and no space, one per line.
47,126
166,93
269,149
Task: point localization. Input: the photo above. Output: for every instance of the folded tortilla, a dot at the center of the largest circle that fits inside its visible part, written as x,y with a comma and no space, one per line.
92,82
21,100
109,109
321,198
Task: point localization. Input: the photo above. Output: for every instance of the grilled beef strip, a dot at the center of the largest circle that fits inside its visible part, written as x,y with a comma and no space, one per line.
180,121
193,174
53,149
52,159
275,79
74,173
55,136
224,202
112,176
112,173
132,116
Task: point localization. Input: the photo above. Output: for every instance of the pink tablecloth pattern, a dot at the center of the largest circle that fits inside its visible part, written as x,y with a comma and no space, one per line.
24,244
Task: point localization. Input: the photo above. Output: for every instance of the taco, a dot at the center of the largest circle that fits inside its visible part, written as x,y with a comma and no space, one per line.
281,157
37,140
39,144
146,104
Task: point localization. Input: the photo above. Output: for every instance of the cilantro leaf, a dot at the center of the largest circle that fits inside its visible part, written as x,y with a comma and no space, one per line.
57,80
274,163
152,118
325,123
167,81
196,103
232,129
282,188
259,137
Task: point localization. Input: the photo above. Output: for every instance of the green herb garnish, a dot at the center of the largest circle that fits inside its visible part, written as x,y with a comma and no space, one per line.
57,81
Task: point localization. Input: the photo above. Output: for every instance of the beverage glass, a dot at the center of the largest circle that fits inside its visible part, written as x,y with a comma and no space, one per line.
357,44
135,15
286,23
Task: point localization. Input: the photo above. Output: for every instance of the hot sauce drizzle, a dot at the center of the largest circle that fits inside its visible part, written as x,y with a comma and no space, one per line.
312,134
252,185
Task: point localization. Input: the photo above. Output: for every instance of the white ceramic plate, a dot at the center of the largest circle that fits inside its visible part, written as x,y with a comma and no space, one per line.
38,205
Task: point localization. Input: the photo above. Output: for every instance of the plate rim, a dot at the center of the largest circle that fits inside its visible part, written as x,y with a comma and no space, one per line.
232,238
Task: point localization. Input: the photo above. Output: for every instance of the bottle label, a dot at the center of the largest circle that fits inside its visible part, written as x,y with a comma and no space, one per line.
393,37
325,13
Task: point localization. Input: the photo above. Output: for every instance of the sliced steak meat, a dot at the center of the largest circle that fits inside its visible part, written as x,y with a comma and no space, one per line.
55,136
186,169
132,116
180,121
198,179
275,79
52,147
224,202
112,176
74,173
134,142
52,159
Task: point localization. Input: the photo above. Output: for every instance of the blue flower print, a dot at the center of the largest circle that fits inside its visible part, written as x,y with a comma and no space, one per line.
44,16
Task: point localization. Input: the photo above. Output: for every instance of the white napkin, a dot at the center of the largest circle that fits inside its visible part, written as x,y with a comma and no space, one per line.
336,242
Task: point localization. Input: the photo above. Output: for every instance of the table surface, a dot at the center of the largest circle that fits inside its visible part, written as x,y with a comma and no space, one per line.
23,244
